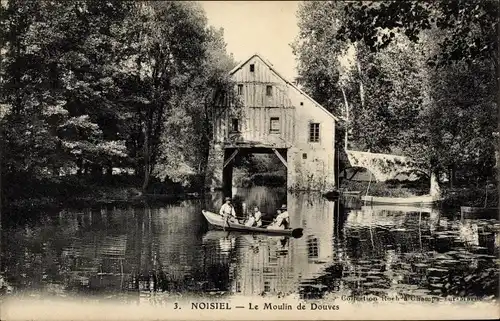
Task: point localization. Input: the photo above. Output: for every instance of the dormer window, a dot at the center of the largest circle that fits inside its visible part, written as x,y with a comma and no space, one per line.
252,67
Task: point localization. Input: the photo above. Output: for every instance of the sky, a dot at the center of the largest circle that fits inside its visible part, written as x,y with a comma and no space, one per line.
264,27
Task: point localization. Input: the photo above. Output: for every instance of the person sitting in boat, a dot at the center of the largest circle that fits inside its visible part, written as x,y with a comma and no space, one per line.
276,223
251,220
227,210
281,220
284,219
255,218
258,217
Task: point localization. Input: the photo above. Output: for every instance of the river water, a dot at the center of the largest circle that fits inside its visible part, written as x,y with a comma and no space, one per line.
132,253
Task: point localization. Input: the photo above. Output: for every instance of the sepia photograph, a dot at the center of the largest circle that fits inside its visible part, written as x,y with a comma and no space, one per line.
249,160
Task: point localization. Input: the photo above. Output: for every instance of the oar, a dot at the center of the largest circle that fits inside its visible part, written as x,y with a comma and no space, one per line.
225,222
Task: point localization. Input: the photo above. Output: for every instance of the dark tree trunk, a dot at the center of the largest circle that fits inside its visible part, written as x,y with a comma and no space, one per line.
96,172
205,143
146,163
109,172
79,163
451,175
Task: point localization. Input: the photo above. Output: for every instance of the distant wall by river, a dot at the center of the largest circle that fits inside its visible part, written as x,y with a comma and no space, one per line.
382,167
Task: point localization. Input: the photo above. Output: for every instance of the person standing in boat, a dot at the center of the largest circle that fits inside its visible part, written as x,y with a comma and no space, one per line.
227,210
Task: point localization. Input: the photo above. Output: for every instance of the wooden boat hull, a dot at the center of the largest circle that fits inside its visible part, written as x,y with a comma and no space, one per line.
353,193
398,208
217,234
402,201
217,222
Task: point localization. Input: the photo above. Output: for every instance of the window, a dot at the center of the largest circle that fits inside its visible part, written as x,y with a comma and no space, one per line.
240,89
269,90
275,125
252,68
304,155
314,132
302,103
235,125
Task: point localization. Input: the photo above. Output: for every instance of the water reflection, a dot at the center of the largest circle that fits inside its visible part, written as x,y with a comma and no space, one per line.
136,251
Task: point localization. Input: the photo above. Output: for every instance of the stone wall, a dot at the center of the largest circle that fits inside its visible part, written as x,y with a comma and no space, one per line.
310,169
383,167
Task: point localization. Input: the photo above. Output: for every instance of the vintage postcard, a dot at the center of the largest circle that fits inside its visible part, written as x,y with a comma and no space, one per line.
249,160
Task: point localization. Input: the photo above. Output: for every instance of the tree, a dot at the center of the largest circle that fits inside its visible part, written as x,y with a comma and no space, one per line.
92,85
58,81
371,86
474,25
209,92
466,33
323,66
318,66
401,90
166,52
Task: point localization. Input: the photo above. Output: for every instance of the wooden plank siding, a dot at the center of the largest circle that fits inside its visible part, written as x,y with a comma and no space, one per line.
259,124
254,95
258,108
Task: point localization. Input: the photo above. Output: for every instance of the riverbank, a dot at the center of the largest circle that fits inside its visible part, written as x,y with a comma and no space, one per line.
118,196
84,192
451,197
123,191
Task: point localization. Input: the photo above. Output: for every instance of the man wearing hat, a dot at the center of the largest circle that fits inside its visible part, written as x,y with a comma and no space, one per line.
227,209
283,218
281,221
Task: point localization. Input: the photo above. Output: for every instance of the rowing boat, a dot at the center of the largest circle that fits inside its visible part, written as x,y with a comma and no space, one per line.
218,222
406,201
432,198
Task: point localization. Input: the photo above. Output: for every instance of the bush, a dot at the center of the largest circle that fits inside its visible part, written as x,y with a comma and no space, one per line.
454,197
245,182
